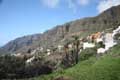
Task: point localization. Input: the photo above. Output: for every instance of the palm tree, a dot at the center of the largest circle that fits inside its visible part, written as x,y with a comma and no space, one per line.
76,47
66,50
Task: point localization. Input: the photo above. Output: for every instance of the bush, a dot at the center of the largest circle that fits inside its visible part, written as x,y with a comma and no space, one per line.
12,67
100,45
69,59
117,37
87,53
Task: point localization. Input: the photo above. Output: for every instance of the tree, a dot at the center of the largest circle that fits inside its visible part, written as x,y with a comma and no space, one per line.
117,37
100,45
87,53
76,47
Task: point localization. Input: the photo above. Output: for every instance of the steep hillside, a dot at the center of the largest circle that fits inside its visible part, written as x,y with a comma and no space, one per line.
107,67
108,19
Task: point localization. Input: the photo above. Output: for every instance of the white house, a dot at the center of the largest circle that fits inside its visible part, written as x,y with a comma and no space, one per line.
30,59
60,47
70,46
116,31
41,49
109,41
17,54
48,52
100,50
99,40
88,45
33,52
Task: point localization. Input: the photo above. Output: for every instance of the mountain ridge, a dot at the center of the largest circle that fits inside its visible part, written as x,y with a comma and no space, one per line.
53,37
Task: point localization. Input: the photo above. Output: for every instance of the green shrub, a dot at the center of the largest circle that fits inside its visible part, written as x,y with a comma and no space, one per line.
117,37
87,53
100,45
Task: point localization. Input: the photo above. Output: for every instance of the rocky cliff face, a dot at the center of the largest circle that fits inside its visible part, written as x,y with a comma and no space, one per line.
108,19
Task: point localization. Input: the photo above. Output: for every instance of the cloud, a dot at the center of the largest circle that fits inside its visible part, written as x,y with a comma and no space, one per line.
83,2
74,4
106,4
50,3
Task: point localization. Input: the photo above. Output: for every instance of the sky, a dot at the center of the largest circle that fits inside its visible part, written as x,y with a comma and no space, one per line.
26,17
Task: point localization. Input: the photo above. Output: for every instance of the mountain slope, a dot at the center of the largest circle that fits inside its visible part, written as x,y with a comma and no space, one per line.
108,19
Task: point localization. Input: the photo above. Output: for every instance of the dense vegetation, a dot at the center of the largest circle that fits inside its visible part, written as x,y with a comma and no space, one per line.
12,67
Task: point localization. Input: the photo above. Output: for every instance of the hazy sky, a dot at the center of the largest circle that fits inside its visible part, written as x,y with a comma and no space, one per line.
24,17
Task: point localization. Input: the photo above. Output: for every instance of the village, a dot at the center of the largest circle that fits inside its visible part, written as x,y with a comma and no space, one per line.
105,39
